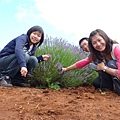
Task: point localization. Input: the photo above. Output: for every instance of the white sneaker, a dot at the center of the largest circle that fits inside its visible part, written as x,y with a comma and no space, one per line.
5,84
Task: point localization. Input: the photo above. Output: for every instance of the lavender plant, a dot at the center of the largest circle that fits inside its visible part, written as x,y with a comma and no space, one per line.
47,75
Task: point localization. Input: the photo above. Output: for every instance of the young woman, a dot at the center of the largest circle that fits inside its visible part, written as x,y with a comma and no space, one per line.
107,51
17,58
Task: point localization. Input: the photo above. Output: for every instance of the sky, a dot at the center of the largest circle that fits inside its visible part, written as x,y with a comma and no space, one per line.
67,19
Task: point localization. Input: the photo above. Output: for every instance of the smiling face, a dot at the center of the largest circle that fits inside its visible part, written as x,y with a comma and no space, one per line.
98,43
84,45
35,37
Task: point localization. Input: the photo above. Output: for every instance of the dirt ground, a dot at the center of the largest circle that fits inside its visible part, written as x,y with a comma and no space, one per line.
83,103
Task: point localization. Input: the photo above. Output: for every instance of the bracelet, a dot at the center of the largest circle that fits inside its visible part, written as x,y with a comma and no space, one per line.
104,68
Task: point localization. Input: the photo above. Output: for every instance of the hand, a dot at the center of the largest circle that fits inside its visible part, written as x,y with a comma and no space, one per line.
64,69
100,66
23,71
46,57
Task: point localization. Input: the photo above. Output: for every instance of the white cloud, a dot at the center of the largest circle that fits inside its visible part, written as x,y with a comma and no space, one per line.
22,12
26,13
80,17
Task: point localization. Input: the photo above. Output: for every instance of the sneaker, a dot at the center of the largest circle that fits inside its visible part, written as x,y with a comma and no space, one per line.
20,84
7,79
4,83
25,85
29,75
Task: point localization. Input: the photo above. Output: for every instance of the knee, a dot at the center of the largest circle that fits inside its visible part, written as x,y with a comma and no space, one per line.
33,59
112,64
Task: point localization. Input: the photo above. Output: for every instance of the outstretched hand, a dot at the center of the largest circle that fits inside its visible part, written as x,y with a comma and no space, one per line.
46,57
64,69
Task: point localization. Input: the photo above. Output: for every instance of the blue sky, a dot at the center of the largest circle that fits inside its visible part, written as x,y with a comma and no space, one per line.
67,19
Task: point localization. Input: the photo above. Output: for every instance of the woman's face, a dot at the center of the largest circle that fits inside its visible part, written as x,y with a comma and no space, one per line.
98,43
35,37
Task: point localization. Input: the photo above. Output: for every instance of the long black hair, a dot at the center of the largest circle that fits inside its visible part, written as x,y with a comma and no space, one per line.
36,28
109,42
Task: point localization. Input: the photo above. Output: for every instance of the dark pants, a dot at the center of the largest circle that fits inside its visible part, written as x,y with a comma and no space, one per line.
9,66
106,81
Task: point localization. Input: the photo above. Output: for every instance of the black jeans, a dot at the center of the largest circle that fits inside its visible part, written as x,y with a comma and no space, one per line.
106,81
103,81
9,66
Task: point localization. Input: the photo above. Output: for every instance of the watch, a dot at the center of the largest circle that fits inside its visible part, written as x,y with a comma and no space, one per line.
104,68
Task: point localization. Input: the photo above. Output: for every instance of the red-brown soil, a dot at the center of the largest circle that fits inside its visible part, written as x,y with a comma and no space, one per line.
83,103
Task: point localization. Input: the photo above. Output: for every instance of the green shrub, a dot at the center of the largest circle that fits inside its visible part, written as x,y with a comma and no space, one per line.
46,74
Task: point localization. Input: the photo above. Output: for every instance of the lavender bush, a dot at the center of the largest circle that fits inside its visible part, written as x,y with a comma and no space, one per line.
47,75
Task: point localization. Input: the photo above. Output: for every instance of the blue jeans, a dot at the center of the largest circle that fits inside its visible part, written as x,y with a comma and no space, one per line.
9,65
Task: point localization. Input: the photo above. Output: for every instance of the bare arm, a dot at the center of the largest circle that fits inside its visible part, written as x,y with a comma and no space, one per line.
79,64
71,67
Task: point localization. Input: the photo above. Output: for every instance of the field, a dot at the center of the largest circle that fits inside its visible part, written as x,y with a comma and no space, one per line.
82,103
